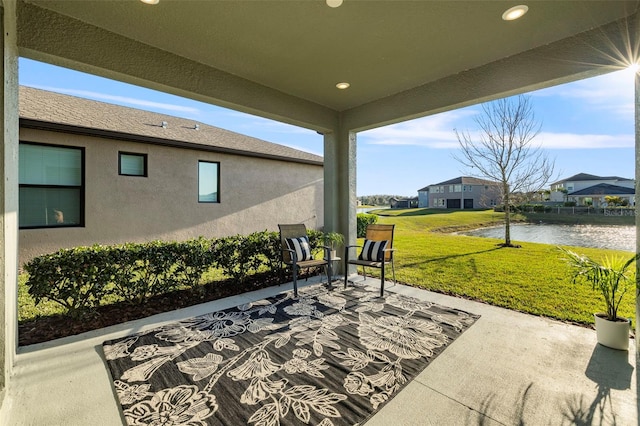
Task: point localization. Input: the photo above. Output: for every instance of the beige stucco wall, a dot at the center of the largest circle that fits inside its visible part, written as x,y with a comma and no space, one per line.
256,194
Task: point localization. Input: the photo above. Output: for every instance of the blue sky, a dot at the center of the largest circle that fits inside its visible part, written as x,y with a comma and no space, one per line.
587,126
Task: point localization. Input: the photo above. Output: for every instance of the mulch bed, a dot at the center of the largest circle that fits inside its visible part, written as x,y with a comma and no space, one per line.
54,327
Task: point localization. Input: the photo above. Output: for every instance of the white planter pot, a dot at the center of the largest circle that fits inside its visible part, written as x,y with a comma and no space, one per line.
613,334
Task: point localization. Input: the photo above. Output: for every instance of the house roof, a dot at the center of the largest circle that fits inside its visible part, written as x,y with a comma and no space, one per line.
604,189
463,180
403,199
588,177
53,111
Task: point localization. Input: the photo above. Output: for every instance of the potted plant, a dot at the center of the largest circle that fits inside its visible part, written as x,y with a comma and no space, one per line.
333,240
612,278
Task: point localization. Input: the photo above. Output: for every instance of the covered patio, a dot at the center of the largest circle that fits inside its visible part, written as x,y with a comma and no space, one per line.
284,60
508,368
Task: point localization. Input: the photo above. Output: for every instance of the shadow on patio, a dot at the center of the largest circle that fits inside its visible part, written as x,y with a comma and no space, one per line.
508,368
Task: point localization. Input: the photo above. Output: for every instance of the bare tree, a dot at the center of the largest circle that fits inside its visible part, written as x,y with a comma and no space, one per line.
502,150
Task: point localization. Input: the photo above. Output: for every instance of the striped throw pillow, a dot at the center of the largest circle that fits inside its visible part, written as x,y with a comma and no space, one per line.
373,251
301,246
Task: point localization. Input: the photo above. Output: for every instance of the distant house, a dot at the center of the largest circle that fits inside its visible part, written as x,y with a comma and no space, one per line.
403,203
423,197
461,193
96,173
585,189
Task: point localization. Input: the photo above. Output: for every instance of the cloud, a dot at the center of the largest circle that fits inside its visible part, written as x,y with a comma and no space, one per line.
578,141
613,92
435,131
121,99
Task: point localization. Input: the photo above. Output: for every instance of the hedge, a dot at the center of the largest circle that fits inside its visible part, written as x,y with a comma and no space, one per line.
365,219
82,278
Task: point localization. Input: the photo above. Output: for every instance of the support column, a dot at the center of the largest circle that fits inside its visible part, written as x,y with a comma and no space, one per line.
637,205
9,195
340,184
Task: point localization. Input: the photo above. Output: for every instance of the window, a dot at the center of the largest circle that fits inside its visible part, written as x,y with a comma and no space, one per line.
458,188
131,164
208,182
51,180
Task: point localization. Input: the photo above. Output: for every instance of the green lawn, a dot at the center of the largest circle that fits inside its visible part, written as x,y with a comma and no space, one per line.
531,279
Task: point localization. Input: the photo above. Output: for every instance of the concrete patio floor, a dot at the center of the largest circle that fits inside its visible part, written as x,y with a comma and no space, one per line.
508,369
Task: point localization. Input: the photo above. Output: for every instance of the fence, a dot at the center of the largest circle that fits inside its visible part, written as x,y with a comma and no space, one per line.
602,211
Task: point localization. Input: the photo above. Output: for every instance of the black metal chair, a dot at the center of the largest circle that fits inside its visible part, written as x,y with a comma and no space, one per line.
295,255
377,252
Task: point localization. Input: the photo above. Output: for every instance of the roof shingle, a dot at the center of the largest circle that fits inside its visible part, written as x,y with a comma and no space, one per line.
72,112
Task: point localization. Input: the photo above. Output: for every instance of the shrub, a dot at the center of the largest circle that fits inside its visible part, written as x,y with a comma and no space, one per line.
79,279
146,270
365,219
238,256
316,241
193,258
270,250
76,278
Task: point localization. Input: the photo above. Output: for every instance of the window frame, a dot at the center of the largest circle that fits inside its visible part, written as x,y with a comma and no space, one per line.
82,187
217,163
137,154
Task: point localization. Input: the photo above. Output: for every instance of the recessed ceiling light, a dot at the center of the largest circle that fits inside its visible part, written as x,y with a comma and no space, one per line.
334,3
343,85
150,1
515,12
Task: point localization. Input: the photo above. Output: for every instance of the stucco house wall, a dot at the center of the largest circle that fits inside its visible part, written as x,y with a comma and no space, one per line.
255,194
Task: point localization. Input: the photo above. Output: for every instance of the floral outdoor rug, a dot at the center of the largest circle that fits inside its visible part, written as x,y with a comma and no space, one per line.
329,357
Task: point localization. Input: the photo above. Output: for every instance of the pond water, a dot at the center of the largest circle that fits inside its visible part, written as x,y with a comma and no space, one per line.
600,236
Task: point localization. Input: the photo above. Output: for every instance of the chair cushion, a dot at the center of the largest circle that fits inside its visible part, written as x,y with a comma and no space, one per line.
302,248
373,251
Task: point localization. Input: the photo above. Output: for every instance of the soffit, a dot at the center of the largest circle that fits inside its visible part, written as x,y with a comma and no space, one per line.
303,48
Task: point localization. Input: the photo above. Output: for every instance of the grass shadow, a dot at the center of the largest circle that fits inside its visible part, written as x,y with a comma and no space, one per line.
453,256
